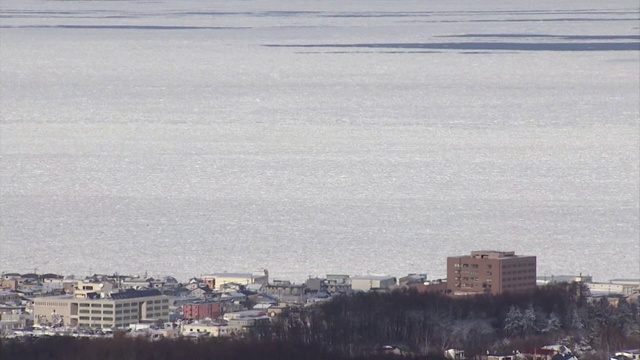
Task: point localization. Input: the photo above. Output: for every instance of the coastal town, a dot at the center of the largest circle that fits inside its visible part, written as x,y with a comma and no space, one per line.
227,304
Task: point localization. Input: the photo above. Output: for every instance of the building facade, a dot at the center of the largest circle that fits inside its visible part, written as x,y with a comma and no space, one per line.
369,282
217,281
8,296
213,330
119,310
201,310
491,272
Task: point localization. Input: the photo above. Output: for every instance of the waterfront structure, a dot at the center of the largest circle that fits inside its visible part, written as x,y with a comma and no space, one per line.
91,309
491,272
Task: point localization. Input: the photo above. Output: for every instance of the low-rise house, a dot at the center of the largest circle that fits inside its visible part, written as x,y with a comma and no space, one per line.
233,301
232,296
254,288
182,300
248,318
233,286
243,314
263,299
203,292
24,293
11,309
454,354
262,306
9,297
601,288
286,292
212,329
85,289
438,286
316,285
247,322
338,279
633,354
52,283
151,332
630,282
15,281
195,285
7,276
177,292
15,320
69,286
370,282
614,287
31,276
560,352
389,350
318,298
276,310
412,279
552,279
564,357
137,283
337,283
539,354
9,284
30,286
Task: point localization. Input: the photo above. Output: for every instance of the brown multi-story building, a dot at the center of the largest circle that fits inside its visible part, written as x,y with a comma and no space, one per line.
201,310
491,272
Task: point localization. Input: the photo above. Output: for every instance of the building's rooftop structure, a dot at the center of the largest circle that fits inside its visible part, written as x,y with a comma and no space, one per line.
135,294
492,254
235,275
372,277
625,281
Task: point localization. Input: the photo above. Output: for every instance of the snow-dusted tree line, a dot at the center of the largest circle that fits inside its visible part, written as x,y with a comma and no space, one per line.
430,323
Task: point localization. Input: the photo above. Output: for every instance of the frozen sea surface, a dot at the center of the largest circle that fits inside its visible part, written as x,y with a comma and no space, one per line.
314,137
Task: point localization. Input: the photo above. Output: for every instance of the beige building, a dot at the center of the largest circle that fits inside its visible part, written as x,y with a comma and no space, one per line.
117,310
9,284
217,281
